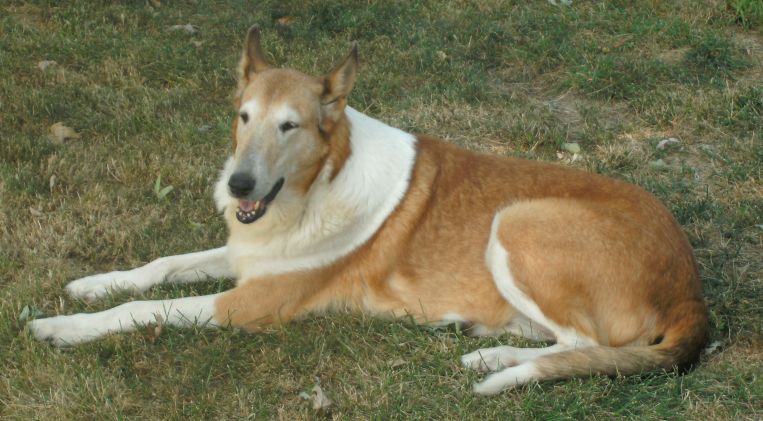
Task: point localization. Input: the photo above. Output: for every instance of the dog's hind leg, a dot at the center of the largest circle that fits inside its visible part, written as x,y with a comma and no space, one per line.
84,327
183,268
496,358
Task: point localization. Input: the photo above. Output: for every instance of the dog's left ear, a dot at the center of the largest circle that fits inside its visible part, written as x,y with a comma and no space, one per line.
337,85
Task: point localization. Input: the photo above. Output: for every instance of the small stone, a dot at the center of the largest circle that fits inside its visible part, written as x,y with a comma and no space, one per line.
658,164
572,148
667,142
44,64
187,28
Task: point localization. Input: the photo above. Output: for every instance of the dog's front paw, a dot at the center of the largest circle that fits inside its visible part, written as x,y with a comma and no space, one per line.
63,331
97,286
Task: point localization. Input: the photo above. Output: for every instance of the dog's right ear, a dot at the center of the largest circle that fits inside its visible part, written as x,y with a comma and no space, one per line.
253,58
252,62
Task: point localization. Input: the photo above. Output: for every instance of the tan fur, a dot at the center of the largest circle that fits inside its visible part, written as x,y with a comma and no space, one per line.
597,255
620,267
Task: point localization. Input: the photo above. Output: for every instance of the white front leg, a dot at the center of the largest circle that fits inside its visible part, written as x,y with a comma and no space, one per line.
84,327
183,268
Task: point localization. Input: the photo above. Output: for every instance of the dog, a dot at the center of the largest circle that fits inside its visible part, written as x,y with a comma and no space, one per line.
329,208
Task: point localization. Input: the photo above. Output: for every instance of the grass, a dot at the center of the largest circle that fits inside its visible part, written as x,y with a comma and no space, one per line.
749,12
511,78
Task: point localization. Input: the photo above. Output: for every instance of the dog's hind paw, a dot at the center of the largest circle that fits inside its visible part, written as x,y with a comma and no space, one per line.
489,359
507,378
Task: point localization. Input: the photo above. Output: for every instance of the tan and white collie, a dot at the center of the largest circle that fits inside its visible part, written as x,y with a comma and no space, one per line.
329,208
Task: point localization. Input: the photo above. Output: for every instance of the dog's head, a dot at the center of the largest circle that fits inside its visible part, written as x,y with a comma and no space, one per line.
290,129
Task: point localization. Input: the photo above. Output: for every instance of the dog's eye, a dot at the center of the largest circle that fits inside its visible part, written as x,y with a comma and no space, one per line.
285,127
244,117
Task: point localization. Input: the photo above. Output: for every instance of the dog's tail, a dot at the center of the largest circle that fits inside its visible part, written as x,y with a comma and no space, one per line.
678,348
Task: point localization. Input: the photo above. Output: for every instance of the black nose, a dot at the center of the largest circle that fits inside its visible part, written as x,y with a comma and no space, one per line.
241,184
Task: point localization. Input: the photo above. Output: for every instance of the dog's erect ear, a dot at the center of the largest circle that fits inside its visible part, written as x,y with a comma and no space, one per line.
336,86
253,58
338,83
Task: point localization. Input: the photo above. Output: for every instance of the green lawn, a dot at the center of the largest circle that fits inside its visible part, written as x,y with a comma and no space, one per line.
518,78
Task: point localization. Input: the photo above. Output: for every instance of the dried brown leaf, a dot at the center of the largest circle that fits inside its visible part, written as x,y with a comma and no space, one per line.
60,133
285,20
153,331
320,400
397,362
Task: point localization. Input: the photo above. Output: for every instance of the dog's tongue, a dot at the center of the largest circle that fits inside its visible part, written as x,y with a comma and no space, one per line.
246,205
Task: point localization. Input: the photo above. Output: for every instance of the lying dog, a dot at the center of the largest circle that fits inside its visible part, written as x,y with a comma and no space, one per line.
330,208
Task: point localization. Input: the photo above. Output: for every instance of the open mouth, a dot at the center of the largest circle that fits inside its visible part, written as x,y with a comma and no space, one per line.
250,211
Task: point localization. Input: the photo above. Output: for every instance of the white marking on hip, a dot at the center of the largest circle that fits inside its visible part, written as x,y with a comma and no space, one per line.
497,259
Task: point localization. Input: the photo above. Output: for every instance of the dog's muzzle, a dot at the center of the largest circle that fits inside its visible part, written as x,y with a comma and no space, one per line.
250,211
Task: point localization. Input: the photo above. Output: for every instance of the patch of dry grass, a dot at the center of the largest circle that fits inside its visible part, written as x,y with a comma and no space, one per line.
512,78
